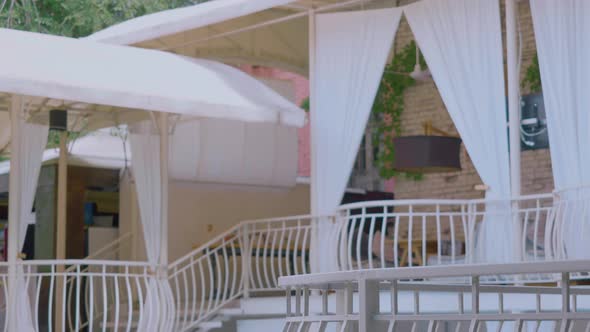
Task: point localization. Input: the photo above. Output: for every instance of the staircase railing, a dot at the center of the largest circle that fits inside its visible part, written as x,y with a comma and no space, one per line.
111,251
248,258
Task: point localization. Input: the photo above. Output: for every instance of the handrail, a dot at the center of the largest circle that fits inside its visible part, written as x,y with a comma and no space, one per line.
107,247
205,245
49,262
341,279
419,202
110,245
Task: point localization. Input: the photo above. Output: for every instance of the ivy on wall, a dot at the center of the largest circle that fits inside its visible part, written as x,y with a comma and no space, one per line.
389,106
532,77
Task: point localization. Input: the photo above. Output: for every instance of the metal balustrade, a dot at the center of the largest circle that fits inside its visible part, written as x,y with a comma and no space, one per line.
249,258
252,256
407,233
111,251
363,311
107,295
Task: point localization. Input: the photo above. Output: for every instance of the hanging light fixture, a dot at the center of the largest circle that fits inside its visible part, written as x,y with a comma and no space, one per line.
58,120
418,74
428,153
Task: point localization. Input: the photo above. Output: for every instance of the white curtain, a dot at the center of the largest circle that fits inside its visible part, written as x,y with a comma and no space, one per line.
562,31
144,140
461,42
31,144
350,55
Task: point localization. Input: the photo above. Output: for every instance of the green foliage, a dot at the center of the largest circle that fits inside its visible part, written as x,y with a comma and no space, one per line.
389,106
77,18
532,77
54,136
305,104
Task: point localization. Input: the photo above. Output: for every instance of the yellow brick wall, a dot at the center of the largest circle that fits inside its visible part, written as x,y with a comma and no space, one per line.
423,102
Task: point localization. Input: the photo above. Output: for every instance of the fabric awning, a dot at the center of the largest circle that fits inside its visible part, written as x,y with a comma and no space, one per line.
189,31
85,76
178,20
201,150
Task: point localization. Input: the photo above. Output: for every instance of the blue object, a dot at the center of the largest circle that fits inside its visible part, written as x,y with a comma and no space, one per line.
88,213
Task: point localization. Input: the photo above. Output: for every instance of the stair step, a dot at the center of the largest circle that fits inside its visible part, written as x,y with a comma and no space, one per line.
212,324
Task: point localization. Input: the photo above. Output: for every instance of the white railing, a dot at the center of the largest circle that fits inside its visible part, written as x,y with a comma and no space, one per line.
572,222
407,233
108,295
365,312
109,252
246,259
250,258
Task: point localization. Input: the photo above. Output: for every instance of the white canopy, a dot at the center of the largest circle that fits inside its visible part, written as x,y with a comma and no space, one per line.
201,150
83,76
178,20
272,33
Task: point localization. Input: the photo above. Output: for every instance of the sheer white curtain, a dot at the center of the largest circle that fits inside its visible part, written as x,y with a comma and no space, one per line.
31,144
562,31
144,140
461,42
350,53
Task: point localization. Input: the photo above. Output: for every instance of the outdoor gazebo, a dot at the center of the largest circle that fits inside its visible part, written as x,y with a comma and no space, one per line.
103,85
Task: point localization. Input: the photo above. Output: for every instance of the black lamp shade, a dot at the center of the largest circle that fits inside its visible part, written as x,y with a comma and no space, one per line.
58,120
427,154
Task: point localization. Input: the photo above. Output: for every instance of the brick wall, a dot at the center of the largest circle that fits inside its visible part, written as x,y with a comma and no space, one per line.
423,102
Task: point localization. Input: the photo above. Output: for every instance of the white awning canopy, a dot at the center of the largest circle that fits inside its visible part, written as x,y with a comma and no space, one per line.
272,33
85,76
201,150
169,22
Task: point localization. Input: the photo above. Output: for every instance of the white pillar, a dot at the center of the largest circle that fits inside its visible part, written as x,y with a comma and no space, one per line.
513,78
14,192
368,305
164,187
314,250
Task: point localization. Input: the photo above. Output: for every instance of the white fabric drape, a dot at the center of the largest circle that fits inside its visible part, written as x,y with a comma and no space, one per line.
145,148
562,31
350,54
461,42
31,144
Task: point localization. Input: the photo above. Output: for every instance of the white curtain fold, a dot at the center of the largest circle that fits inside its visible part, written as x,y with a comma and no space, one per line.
461,41
144,140
562,32
31,144
351,50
